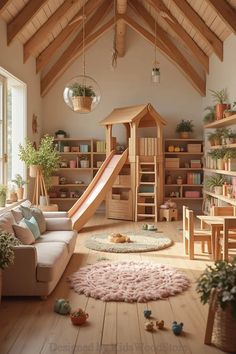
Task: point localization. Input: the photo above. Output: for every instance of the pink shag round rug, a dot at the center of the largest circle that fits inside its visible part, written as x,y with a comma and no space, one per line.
128,281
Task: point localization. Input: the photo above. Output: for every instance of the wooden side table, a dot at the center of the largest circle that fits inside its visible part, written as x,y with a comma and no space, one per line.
168,214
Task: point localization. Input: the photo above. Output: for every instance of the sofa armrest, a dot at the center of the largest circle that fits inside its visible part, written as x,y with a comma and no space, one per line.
55,214
56,224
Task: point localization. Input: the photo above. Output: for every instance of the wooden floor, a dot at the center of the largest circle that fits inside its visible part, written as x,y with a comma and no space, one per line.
29,325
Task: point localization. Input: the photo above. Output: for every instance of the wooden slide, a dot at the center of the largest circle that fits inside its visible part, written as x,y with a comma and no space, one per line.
96,192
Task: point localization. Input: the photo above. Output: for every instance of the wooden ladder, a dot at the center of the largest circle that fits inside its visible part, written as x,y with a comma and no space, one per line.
146,175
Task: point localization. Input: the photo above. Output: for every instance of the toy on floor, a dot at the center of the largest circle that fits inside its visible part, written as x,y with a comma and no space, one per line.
168,211
62,307
160,324
78,317
177,328
149,227
118,238
149,326
147,313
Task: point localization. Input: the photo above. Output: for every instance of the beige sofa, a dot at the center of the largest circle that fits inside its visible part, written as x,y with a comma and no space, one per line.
37,268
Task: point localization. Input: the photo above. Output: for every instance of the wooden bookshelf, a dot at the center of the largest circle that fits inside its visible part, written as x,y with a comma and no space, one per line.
225,122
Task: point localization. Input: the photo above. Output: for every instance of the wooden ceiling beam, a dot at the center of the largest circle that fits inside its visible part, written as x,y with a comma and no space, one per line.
186,39
226,12
168,48
121,8
44,57
32,44
197,22
75,47
4,4
22,18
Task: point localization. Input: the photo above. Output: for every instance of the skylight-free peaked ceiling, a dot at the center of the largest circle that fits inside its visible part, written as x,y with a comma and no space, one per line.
48,27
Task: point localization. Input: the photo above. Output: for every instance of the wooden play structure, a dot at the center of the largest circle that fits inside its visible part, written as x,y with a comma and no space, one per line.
138,190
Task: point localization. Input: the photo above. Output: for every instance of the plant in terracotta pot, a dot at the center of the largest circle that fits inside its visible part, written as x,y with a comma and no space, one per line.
82,97
3,195
230,110
184,128
217,286
19,182
78,317
220,98
210,115
215,183
7,243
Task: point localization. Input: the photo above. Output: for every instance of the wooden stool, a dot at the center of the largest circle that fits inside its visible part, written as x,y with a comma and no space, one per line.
168,214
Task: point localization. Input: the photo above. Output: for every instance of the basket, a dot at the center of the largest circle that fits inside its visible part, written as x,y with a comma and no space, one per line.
82,103
224,330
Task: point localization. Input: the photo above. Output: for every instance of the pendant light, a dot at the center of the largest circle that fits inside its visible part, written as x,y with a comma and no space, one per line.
156,74
82,94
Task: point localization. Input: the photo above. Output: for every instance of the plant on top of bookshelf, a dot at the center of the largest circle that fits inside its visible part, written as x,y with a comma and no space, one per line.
220,98
210,115
184,128
60,134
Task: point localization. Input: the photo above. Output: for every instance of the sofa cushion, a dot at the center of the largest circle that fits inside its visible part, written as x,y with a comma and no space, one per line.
59,236
33,226
23,233
37,214
6,222
52,257
17,214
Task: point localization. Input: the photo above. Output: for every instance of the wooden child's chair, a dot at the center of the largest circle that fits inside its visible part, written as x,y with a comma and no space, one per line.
228,239
190,235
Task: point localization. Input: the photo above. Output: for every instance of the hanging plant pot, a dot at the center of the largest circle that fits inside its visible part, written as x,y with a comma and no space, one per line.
82,103
184,135
33,169
220,108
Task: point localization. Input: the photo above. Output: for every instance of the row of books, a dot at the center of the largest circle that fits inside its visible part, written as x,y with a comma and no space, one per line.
147,146
195,164
101,146
194,178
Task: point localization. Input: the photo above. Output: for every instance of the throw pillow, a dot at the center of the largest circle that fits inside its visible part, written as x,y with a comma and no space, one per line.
23,233
33,226
17,214
6,222
37,214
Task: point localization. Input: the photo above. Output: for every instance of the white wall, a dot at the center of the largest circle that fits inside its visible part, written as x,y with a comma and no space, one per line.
129,84
223,74
11,59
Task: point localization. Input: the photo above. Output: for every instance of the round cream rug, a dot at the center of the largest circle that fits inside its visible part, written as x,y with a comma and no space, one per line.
140,242
128,281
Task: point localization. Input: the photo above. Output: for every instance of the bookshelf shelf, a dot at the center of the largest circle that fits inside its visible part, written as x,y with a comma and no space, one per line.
222,122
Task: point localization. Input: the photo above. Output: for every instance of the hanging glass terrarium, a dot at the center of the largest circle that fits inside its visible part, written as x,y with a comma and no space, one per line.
156,74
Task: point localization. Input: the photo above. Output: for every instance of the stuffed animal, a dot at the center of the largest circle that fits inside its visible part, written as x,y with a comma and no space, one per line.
149,326
118,238
177,328
147,313
62,307
169,204
160,324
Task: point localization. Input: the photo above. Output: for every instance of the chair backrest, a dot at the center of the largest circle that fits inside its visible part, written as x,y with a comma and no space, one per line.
184,218
189,223
223,211
229,224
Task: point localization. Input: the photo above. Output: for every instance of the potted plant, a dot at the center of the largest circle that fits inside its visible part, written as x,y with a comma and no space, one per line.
230,157
28,154
46,157
219,156
211,138
60,134
210,116
84,161
3,195
19,182
220,98
215,183
218,285
184,128
230,111
82,97
7,242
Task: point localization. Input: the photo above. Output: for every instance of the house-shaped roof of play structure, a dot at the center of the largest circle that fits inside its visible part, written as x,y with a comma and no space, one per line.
145,114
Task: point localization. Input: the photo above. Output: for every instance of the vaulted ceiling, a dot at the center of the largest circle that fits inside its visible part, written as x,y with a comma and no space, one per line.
187,31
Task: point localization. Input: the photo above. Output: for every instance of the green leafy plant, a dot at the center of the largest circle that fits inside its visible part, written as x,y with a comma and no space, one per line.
82,90
210,115
28,154
60,132
218,153
220,97
19,182
84,158
3,189
230,154
214,181
222,277
7,243
185,126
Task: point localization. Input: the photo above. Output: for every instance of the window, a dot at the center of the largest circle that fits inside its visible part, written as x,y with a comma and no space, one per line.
12,125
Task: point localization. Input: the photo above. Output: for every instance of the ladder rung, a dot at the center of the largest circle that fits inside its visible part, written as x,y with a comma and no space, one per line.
147,194
146,204
147,215
147,172
147,163
150,183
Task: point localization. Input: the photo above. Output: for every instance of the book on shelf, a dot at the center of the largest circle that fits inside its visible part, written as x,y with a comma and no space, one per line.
194,178
101,146
195,164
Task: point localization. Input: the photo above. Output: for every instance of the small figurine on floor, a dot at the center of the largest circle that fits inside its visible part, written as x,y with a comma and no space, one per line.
78,317
160,324
62,307
147,313
177,328
149,326
118,238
